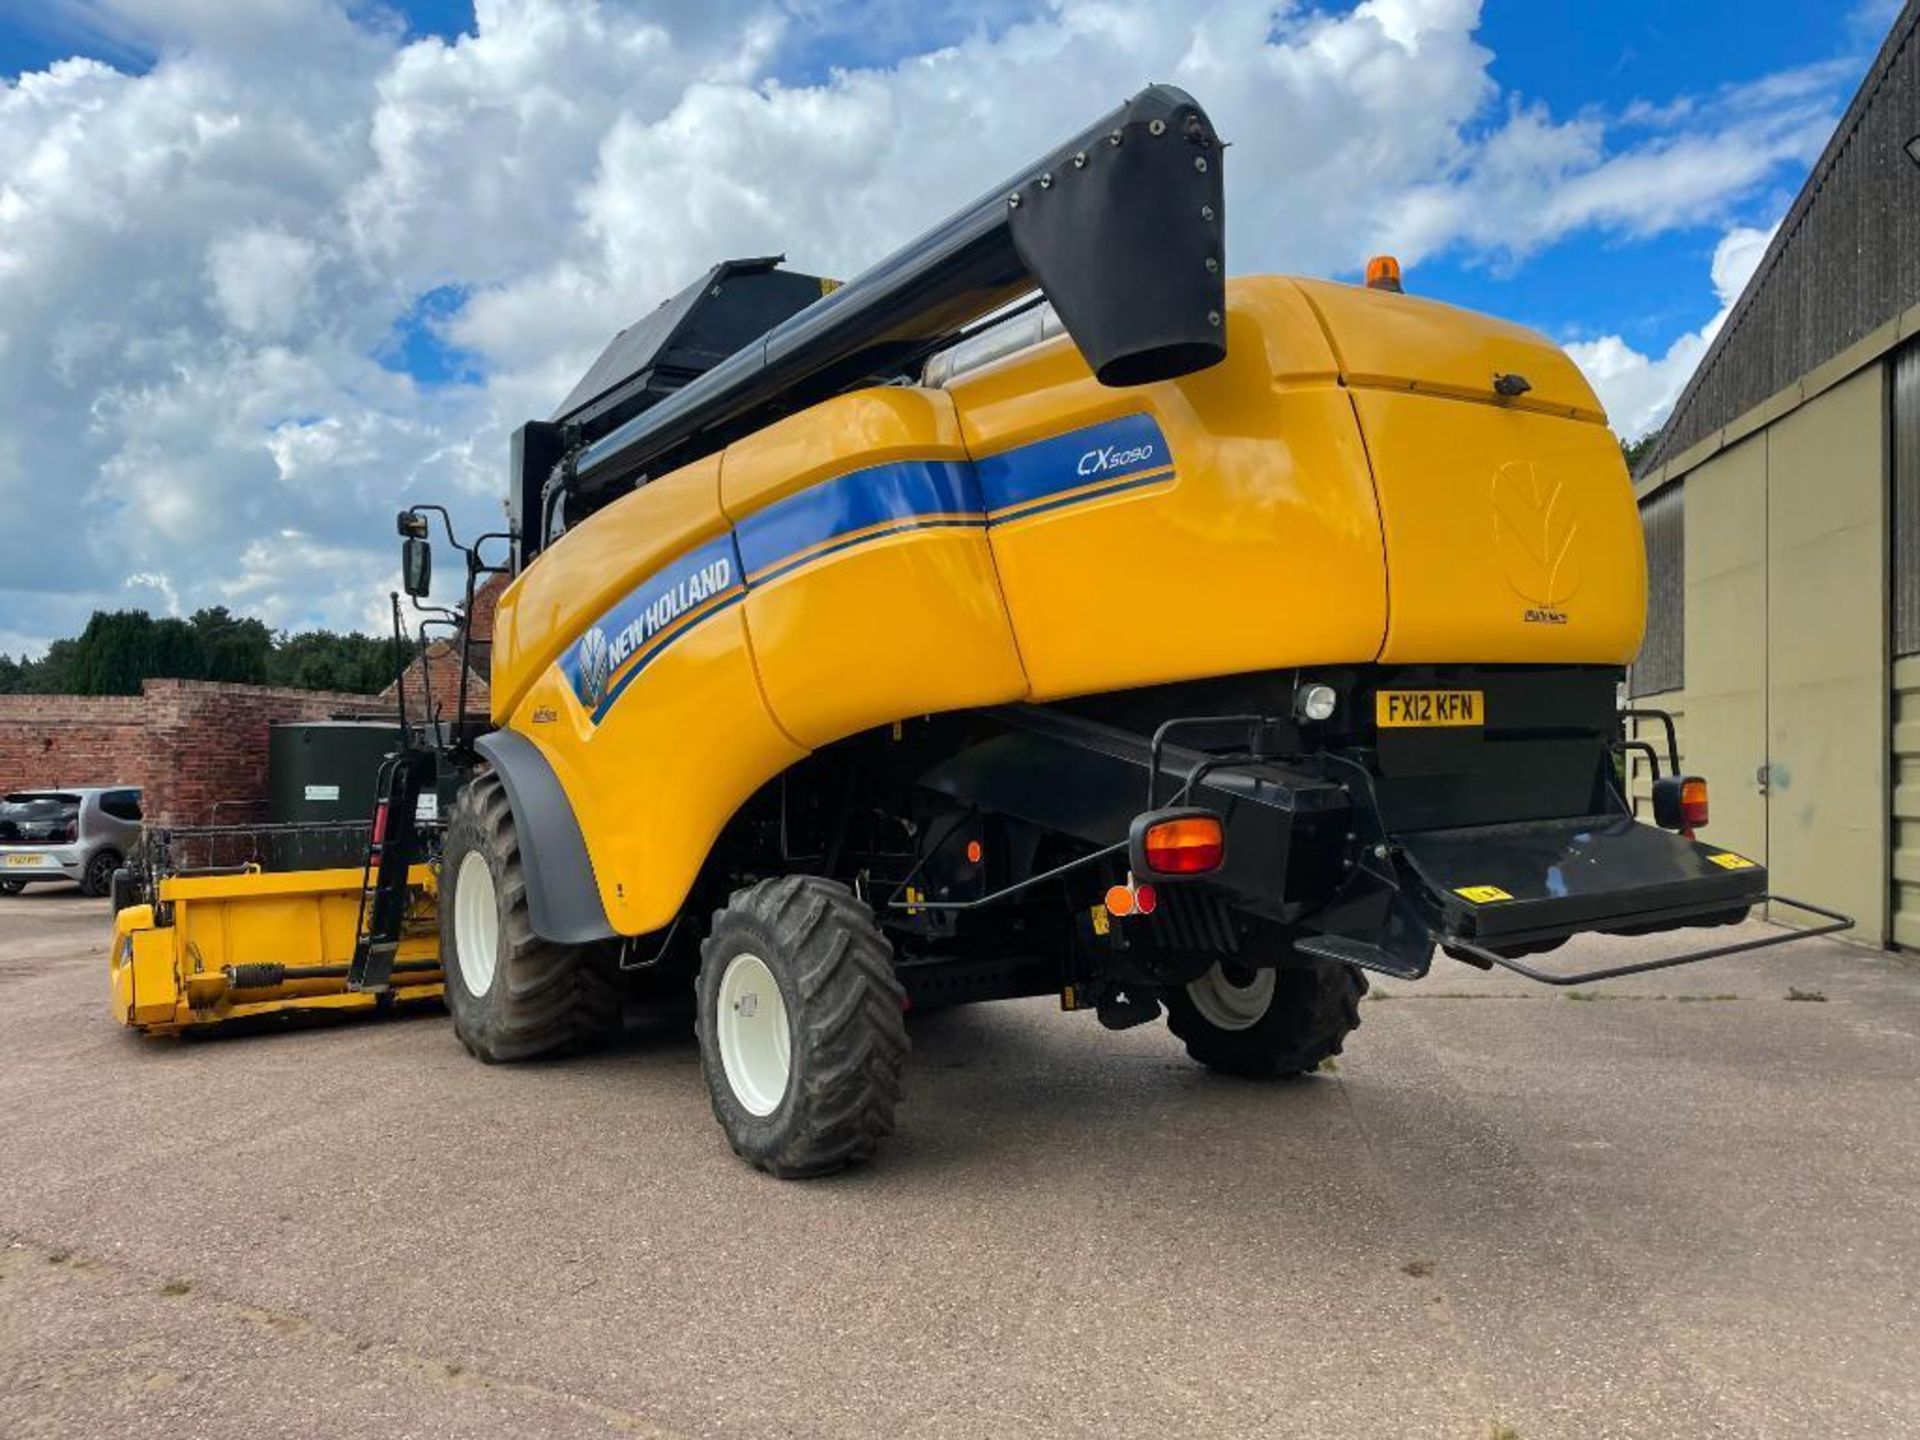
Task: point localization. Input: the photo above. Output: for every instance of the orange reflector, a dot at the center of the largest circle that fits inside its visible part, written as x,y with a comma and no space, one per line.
1119,901
1693,802
974,852
1192,845
1383,273
1146,899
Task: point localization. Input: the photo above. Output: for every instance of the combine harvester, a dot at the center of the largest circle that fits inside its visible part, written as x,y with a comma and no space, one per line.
1041,614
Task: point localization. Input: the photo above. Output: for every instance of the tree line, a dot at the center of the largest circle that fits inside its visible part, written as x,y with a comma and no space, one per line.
121,648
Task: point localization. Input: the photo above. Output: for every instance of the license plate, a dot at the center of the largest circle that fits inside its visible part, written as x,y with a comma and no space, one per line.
1396,708
26,862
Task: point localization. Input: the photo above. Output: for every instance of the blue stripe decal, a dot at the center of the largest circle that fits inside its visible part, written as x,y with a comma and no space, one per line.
622,642
865,498
955,522
848,510
1112,450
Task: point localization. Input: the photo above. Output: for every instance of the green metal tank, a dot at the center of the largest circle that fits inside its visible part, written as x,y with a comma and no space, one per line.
326,771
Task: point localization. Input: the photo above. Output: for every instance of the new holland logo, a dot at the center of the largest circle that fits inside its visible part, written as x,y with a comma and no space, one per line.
596,664
1536,533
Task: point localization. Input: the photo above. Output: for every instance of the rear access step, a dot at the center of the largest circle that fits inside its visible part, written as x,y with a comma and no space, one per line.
1509,885
1495,892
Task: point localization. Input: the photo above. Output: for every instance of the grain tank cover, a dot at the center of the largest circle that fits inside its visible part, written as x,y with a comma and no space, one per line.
732,305
724,311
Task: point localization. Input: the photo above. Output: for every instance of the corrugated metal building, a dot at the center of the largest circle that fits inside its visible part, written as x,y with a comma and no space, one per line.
1782,510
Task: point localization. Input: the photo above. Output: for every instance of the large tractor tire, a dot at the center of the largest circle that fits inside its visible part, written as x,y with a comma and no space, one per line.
1271,1022
513,995
802,1026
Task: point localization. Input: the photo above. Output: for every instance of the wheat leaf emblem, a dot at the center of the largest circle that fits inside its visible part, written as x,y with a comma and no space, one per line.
1536,525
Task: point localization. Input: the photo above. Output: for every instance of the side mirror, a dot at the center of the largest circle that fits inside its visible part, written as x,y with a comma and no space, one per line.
416,566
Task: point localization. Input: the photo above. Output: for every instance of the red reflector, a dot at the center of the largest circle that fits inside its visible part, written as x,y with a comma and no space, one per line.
380,822
1693,803
1189,846
1146,899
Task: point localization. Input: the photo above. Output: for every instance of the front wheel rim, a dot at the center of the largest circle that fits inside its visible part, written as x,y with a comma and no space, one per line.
476,923
1228,1006
750,1025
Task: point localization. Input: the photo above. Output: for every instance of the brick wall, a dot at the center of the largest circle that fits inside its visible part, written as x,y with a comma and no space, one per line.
48,740
189,744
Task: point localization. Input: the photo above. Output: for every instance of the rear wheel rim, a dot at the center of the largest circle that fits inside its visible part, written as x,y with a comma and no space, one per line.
100,872
476,923
750,1024
1227,1006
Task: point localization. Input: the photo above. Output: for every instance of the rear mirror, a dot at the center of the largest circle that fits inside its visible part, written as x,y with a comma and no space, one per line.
416,566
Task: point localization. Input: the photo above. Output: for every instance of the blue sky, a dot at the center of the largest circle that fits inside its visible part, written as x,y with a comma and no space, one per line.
1571,54
273,264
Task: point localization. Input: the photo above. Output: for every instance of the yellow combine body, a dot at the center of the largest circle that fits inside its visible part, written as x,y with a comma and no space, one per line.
1041,613
214,949
1347,486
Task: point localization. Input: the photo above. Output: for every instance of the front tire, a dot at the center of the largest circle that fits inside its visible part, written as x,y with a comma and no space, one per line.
802,1026
1268,1022
513,995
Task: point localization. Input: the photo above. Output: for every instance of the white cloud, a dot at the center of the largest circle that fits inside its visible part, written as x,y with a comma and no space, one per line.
263,280
199,264
1638,390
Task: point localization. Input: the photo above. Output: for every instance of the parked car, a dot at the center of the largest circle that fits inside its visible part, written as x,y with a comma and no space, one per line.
82,834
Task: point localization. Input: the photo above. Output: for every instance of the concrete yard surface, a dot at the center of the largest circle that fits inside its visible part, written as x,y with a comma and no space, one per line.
1686,1204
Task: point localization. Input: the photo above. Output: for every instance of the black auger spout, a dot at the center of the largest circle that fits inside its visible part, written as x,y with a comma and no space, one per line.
1121,228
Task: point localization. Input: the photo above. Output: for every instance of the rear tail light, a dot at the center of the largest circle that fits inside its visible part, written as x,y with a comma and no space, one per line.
1680,802
1693,802
72,837
1175,843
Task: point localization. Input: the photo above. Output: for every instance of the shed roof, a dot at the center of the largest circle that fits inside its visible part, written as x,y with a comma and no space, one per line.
1845,261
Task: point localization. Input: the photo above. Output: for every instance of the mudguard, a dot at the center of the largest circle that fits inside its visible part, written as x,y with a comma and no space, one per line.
563,901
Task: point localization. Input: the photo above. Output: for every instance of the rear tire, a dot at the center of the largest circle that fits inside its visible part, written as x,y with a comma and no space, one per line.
803,1033
513,995
1264,1023
97,879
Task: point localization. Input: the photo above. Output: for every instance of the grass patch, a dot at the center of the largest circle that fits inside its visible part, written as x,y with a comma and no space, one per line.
1814,995
1500,1430
175,1288
1418,1269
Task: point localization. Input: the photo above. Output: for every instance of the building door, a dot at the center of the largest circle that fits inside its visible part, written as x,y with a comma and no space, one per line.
1826,658
1905,426
1725,718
